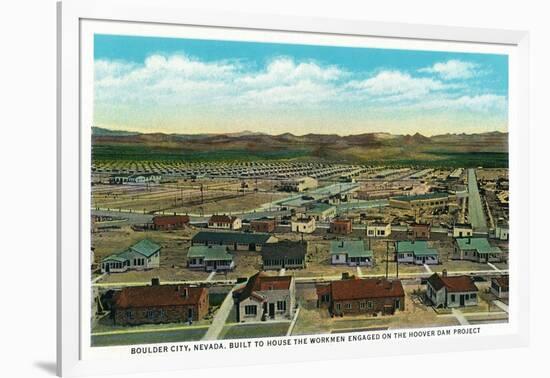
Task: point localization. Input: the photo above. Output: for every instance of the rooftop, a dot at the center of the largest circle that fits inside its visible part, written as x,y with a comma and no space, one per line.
170,219
353,248
262,282
357,288
146,247
480,245
418,247
453,284
285,248
211,252
230,237
160,295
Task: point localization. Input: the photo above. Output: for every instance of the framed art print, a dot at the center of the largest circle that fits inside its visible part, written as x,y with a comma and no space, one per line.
257,189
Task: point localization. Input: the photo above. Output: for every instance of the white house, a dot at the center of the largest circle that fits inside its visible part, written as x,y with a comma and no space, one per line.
350,252
303,225
266,298
455,291
142,255
500,286
378,230
462,230
225,222
501,232
416,252
210,258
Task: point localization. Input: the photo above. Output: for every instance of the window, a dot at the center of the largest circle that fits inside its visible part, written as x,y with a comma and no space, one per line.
150,314
452,297
473,296
338,306
348,306
362,305
369,304
250,310
281,305
129,314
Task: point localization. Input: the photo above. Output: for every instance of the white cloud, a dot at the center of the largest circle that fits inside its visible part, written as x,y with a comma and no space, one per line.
397,86
286,71
164,82
452,69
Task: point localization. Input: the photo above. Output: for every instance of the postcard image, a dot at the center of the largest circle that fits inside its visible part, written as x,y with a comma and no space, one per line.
247,189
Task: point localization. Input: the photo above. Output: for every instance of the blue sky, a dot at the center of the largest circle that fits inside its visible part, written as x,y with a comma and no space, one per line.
196,86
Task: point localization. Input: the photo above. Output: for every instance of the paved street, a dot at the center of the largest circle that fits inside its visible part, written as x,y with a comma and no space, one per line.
476,216
460,317
220,318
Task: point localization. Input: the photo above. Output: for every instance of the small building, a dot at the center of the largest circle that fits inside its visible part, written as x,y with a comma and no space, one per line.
341,226
263,225
420,231
141,256
421,201
226,222
378,230
500,286
285,254
170,222
236,241
210,258
455,291
501,232
265,298
304,225
321,211
462,230
350,252
157,303
416,252
361,296
476,249
299,184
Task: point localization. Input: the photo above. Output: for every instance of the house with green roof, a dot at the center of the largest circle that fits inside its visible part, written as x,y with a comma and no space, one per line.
321,211
350,252
210,258
476,249
416,252
145,254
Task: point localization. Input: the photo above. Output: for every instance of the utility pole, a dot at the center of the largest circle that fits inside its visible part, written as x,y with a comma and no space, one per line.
396,260
387,257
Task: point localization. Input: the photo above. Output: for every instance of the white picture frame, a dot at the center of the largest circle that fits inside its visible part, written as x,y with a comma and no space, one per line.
72,193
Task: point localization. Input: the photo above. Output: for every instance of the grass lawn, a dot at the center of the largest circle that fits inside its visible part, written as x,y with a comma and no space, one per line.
244,331
192,334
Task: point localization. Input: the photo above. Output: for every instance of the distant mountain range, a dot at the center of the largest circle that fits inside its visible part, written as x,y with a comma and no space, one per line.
359,148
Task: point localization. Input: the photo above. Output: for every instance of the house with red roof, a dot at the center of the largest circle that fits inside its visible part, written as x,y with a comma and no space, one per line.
357,296
226,222
500,286
451,291
157,303
170,222
265,297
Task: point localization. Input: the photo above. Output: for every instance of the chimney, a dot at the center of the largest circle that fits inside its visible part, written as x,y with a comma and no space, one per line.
342,243
469,241
155,281
444,273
